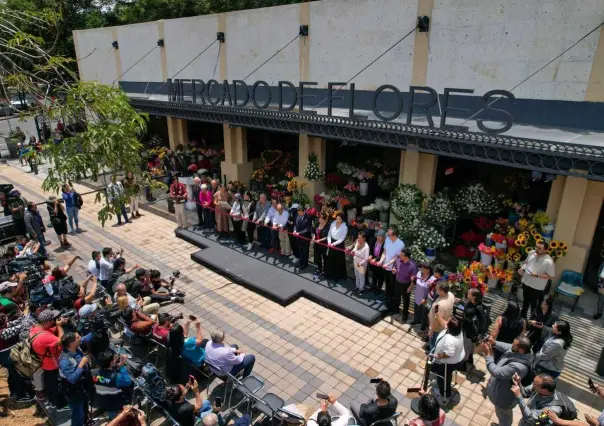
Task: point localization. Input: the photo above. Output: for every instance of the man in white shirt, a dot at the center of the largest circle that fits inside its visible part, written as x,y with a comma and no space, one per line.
267,220
448,355
279,223
322,417
106,267
229,359
392,248
536,271
94,265
142,303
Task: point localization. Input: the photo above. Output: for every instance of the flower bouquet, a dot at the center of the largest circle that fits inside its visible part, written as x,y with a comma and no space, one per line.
472,238
312,172
388,184
239,186
334,180
362,175
475,200
463,252
343,202
351,188
295,185
557,249
290,174
272,159
486,253
407,201
440,209
483,224
345,168
318,199
472,276
428,237
383,206
259,175
418,255
500,240
192,168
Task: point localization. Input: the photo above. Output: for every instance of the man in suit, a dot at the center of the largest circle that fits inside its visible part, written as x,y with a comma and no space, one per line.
302,228
376,249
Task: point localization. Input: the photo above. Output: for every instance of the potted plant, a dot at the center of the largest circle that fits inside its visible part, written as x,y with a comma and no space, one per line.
486,254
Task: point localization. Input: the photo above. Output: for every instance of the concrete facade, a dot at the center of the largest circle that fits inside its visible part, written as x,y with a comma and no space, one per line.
472,44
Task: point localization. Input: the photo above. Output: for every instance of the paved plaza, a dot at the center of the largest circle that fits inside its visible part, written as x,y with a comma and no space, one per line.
303,348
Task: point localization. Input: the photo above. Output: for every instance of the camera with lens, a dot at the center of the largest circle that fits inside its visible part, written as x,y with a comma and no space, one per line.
542,420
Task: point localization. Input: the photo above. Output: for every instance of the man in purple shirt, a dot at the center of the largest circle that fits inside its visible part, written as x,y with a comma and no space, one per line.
404,271
227,359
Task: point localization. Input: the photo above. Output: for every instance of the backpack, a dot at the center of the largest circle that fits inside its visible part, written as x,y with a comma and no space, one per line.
26,361
68,291
153,383
79,201
569,410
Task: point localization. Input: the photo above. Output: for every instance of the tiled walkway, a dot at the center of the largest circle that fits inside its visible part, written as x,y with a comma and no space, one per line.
302,348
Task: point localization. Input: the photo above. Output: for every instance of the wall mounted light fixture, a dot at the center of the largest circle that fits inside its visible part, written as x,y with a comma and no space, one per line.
303,30
423,24
160,42
115,45
220,37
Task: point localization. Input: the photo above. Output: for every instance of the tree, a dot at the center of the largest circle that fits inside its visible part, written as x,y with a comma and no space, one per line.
102,127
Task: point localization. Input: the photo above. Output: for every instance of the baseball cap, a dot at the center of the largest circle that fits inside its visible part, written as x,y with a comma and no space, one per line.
87,310
48,315
6,285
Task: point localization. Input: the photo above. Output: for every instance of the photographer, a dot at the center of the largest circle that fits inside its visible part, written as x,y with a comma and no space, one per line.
112,383
9,336
161,330
35,225
160,285
75,371
94,265
10,293
182,410
120,274
190,348
85,297
45,342
143,287
137,322
322,417
142,303
383,406
539,396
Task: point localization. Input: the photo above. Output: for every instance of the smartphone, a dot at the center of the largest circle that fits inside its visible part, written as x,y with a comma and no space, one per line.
378,380
413,390
191,379
218,401
592,386
192,317
322,396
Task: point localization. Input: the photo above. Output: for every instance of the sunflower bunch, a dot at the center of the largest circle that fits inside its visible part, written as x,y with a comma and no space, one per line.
557,249
513,257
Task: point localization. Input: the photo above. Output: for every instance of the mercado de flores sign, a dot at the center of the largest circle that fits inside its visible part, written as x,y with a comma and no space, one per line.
420,100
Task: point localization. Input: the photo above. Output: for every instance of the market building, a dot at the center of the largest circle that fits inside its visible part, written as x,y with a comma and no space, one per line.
466,92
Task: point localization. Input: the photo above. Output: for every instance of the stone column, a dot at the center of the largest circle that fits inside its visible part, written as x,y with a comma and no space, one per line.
308,145
236,165
576,221
418,169
177,132
555,197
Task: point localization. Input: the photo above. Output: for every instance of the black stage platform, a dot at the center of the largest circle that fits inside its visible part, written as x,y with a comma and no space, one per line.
276,277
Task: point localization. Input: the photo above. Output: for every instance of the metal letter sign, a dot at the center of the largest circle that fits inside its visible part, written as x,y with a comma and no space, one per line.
237,94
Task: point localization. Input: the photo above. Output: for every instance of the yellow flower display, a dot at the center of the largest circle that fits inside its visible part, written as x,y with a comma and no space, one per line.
517,257
553,244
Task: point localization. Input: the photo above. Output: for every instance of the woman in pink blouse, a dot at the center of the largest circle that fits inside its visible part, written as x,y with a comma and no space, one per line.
207,202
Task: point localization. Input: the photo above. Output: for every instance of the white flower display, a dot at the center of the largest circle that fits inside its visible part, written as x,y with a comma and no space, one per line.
440,209
429,237
346,169
406,205
369,209
312,172
475,200
418,255
382,205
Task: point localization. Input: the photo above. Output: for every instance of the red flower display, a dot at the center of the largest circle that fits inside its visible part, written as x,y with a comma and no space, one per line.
483,224
462,252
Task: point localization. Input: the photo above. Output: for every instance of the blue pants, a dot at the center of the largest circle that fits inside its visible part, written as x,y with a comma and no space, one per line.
73,213
42,242
433,341
246,365
122,209
79,410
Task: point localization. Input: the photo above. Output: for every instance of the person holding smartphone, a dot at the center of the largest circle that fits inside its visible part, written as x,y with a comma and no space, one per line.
322,417
379,408
129,416
589,420
182,410
190,348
